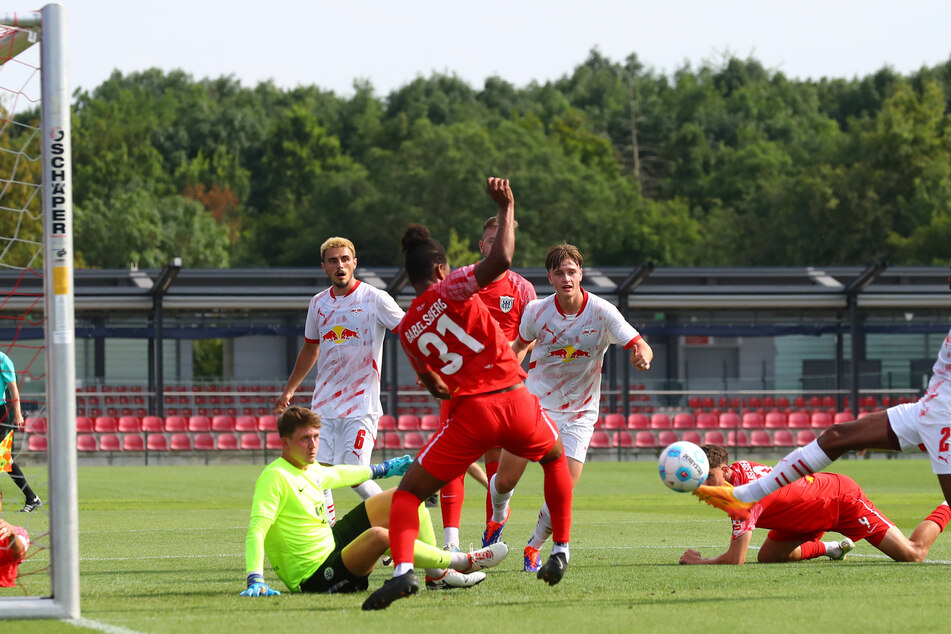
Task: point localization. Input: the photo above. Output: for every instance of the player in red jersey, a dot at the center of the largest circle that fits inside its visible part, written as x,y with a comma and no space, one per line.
506,298
14,542
800,513
459,352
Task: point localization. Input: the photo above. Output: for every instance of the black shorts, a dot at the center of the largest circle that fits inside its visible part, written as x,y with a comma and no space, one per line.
6,421
332,576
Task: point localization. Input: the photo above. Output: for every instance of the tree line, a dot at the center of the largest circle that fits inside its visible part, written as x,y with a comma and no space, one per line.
728,163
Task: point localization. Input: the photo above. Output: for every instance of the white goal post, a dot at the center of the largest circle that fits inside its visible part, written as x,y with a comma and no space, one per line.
56,185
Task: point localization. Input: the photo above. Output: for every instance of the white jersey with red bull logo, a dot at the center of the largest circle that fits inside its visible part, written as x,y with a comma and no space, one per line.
349,331
565,367
941,372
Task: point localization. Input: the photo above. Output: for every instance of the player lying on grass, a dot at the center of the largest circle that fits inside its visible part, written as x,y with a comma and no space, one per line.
290,525
924,425
14,542
798,516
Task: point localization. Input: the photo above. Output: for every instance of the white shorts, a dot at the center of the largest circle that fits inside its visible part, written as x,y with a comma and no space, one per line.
575,433
925,425
347,440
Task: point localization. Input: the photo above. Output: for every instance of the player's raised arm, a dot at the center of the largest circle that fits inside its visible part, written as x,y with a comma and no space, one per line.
499,258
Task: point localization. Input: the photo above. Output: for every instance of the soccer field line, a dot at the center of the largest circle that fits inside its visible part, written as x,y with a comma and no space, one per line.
100,627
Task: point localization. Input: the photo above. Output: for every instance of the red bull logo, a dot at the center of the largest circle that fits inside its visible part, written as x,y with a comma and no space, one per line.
568,353
340,334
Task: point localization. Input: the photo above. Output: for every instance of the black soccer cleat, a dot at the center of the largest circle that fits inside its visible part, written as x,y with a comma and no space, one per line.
554,569
393,589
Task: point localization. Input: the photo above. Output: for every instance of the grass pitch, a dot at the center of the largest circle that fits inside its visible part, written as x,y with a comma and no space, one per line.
162,550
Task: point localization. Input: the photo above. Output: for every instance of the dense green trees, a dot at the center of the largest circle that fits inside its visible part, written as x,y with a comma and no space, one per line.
730,164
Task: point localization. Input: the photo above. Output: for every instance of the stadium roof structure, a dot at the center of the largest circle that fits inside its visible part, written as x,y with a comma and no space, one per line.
662,288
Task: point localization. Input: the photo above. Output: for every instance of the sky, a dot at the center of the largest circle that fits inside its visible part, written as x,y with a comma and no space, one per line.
330,44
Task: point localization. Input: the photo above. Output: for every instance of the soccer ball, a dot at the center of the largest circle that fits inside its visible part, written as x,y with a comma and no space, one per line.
683,466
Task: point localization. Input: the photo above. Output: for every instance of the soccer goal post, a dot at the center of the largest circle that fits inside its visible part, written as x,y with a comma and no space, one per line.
60,598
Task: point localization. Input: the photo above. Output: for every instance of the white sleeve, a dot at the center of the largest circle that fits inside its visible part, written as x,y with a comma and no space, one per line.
527,329
619,330
388,312
311,331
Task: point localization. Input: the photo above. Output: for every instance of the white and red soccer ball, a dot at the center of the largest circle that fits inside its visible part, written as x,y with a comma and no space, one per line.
683,466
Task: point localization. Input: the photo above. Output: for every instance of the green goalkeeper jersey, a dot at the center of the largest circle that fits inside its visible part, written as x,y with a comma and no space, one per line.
288,520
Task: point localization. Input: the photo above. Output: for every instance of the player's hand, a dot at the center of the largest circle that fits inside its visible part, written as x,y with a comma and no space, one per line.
690,556
501,192
282,403
391,467
257,587
641,357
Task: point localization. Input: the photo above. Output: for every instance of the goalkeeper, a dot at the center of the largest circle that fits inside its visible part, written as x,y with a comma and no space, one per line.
290,524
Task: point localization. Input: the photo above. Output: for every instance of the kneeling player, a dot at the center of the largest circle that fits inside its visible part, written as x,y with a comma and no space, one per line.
14,542
800,513
290,524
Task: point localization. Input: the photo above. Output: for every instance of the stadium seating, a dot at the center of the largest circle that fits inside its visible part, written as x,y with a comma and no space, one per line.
666,437
199,424
246,423
133,442
660,421
798,420
267,422
105,425
35,425
129,424
638,421
204,442
251,441
820,420
760,438
713,437
222,423
175,424
752,420
36,443
84,425
706,420
804,437
387,422
413,440
693,436
614,421
429,422
783,438
408,422
157,442
683,421
729,420
644,439
842,417
273,441
86,442
775,420
226,441
391,440
180,442
110,442
623,438
600,440
737,438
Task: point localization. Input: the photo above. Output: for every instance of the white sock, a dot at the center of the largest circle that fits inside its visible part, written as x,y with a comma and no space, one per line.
329,505
833,549
500,501
797,463
402,569
542,528
561,548
452,535
368,489
459,561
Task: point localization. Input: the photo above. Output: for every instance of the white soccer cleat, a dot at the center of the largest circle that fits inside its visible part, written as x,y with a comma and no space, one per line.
841,549
454,579
491,555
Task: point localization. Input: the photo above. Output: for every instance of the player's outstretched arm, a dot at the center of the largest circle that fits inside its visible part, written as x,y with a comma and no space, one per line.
257,587
499,258
642,355
306,359
735,554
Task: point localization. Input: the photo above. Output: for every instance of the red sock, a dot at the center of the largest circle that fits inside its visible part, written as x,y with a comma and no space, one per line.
940,516
558,498
404,526
491,468
813,549
451,498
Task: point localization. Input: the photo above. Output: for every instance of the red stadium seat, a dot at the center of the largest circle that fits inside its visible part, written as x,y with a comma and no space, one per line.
199,424
693,402
804,437
752,420
429,422
130,424
660,421
408,422
760,438
638,421
86,442
644,439
820,420
153,424
84,425
250,441
35,425
226,441
714,438
600,440
775,420
614,421
842,417
798,420
133,442
246,423
391,440
387,422
783,438
684,421
622,438
222,423
666,437
110,442
692,436
737,438
413,440
706,420
267,422
105,425
180,442
157,442
271,441
36,443
175,424
204,442
729,420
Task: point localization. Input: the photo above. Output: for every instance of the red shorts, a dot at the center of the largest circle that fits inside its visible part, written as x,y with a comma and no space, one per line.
855,517
512,420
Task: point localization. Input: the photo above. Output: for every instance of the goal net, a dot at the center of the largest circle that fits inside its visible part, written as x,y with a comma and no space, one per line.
36,312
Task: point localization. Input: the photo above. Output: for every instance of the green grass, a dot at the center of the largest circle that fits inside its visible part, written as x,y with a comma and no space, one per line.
162,550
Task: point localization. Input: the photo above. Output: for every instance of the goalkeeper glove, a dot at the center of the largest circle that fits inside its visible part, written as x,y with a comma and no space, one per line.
257,587
391,467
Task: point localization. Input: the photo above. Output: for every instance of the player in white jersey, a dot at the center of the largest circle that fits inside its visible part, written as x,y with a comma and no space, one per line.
924,425
572,330
343,335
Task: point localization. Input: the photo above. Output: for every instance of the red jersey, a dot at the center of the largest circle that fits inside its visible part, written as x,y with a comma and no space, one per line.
810,504
449,331
8,563
506,299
